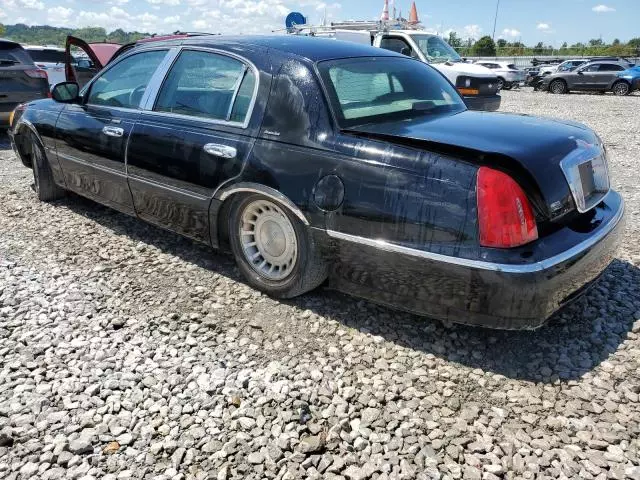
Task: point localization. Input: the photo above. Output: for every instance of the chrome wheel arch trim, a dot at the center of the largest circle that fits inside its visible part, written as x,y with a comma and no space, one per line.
249,187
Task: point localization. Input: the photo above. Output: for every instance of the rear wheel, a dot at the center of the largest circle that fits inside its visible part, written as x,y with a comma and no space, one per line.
273,248
500,83
507,86
45,187
558,87
621,88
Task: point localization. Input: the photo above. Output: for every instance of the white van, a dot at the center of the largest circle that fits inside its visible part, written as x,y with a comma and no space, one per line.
478,85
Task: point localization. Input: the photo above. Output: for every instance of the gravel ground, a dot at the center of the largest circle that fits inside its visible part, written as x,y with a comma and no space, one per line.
129,352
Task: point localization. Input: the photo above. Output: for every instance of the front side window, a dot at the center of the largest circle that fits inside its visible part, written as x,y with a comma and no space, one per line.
124,84
205,84
397,45
379,89
591,68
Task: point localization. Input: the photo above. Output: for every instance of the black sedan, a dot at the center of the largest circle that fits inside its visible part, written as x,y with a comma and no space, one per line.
313,159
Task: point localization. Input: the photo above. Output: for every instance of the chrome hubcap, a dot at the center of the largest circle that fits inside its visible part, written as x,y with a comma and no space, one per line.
268,240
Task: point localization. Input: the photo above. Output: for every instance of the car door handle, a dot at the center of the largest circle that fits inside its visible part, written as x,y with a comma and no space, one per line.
222,151
113,131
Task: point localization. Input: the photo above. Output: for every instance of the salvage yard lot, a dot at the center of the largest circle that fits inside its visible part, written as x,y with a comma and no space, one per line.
112,330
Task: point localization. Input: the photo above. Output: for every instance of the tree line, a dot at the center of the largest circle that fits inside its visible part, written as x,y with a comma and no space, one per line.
486,47
46,35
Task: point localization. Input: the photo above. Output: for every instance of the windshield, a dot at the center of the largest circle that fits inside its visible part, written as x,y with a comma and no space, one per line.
436,49
11,54
381,89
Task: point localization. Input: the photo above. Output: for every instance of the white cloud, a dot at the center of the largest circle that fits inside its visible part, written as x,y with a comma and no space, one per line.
472,31
200,24
59,16
543,26
164,2
23,4
510,32
603,9
172,19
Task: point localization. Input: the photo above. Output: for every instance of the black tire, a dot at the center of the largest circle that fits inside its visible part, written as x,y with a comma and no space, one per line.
501,83
558,87
507,86
621,88
310,269
46,189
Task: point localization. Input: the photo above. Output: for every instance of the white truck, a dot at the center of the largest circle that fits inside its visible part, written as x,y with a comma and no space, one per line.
477,84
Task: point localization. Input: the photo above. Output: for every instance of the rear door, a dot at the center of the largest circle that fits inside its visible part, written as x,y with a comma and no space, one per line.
20,80
92,135
606,74
191,139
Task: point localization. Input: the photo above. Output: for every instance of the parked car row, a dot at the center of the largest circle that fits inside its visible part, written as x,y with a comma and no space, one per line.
604,74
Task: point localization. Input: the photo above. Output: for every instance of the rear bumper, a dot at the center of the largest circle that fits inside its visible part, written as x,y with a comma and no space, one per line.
474,292
488,103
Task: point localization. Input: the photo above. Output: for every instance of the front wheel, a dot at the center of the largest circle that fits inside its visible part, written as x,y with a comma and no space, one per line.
621,88
558,87
46,189
273,249
500,83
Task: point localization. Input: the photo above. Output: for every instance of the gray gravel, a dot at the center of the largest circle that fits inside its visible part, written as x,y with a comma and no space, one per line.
129,352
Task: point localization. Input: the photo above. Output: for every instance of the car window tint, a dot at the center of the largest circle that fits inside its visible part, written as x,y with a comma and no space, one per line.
47,56
610,67
123,84
396,45
244,97
591,68
11,54
201,84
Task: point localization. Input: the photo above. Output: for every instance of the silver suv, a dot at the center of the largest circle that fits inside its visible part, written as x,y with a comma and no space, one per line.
598,76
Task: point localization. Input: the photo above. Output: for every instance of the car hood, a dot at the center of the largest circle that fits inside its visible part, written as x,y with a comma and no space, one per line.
514,142
465,69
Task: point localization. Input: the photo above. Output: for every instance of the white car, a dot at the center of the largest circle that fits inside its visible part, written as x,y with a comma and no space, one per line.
508,74
50,59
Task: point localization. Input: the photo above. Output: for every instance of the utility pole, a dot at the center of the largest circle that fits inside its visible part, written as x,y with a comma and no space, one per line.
495,20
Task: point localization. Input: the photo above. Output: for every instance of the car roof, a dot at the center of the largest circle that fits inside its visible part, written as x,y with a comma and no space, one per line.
6,40
311,48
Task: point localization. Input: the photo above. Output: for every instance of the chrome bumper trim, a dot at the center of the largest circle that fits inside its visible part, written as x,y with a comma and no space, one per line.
482,265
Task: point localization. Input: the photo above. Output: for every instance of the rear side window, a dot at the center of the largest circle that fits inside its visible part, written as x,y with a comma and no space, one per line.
124,84
512,66
46,56
13,54
610,67
205,84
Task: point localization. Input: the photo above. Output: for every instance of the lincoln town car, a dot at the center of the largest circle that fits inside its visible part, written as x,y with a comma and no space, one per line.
315,161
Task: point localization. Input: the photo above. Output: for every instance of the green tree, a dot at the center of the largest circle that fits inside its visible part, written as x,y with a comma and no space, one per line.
485,47
1,29
501,43
538,49
454,40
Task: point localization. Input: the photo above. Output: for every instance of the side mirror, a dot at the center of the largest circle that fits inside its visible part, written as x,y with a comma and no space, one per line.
65,92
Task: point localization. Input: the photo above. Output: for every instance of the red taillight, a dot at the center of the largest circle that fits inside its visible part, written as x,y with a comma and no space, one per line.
37,73
505,216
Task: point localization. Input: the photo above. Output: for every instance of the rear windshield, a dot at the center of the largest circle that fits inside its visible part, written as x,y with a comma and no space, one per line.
380,89
47,56
12,54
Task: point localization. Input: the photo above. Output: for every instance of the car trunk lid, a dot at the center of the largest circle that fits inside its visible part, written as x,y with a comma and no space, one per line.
528,148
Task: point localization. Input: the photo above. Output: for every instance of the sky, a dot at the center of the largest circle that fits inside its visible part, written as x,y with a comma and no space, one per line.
530,21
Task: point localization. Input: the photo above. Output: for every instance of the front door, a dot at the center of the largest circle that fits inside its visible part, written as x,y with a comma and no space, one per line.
91,136
193,140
